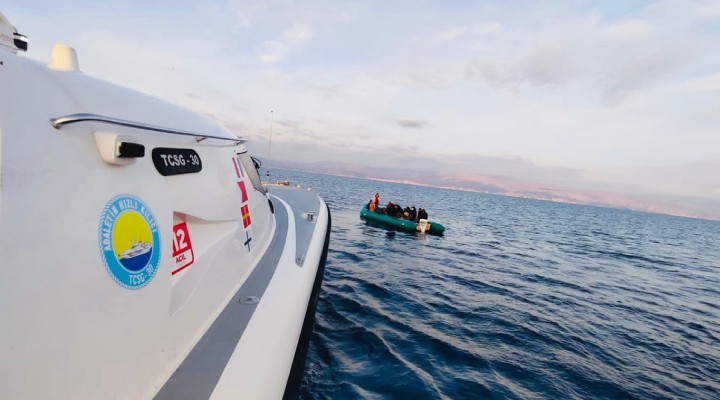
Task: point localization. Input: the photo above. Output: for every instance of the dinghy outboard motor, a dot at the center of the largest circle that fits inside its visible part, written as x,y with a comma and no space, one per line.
423,226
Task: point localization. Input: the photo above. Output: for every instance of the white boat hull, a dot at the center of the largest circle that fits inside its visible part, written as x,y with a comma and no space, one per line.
79,324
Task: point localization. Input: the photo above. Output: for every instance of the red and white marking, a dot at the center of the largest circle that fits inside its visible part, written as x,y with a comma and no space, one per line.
182,248
244,209
238,168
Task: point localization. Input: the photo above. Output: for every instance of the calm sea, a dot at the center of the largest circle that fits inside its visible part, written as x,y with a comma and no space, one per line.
520,299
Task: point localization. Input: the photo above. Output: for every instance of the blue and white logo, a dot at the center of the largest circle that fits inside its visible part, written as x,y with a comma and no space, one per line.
129,241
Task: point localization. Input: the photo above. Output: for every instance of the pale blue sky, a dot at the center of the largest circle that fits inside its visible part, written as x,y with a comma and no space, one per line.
614,91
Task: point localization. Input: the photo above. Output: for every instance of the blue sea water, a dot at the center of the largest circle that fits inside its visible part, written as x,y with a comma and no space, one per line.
520,299
136,263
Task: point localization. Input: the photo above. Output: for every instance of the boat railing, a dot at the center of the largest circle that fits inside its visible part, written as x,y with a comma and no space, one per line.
59,122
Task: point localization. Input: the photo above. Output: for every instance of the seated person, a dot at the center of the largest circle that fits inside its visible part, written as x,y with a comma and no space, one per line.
422,214
391,209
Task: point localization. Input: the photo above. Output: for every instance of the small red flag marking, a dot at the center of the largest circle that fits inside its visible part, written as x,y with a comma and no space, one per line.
245,211
244,196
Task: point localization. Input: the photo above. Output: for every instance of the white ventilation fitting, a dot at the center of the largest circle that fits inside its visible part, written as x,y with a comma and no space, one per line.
64,58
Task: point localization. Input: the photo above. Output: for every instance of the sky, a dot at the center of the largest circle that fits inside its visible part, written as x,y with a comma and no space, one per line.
609,95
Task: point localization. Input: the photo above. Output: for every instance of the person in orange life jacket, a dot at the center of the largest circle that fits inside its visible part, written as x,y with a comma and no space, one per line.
376,199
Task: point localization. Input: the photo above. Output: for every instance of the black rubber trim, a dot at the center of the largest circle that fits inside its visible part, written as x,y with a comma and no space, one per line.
292,388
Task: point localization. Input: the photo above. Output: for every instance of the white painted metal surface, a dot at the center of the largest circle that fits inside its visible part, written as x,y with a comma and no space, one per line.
6,35
71,329
269,338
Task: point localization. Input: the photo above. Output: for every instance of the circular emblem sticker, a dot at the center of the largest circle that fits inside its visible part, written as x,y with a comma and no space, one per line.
129,241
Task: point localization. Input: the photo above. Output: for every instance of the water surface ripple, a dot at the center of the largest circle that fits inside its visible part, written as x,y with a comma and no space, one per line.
521,299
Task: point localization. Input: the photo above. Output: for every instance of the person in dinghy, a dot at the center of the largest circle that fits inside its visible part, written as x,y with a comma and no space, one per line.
393,216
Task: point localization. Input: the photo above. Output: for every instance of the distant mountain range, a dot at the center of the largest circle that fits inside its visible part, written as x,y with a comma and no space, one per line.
507,186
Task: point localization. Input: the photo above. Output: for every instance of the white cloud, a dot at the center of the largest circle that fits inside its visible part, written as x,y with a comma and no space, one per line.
643,70
628,29
247,10
456,32
272,51
291,40
708,83
550,83
487,27
452,33
544,65
297,33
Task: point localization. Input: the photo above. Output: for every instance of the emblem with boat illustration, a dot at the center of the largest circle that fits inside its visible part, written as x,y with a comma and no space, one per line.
138,254
130,241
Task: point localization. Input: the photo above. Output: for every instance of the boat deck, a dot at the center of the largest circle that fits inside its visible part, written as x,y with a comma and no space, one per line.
200,372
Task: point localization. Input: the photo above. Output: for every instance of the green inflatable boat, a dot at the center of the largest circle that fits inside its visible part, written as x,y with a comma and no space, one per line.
403,225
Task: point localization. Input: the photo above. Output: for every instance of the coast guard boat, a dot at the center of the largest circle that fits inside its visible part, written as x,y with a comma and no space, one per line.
141,255
137,249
